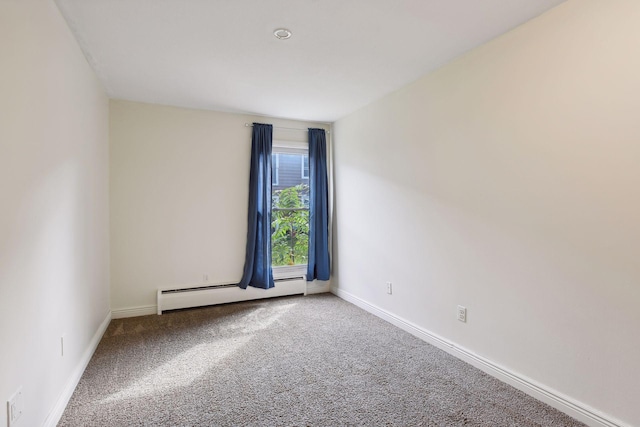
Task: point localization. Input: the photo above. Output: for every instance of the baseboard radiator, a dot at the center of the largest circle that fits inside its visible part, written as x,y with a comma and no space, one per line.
172,299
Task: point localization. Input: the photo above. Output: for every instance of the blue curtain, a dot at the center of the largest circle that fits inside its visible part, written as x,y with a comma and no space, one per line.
257,264
318,263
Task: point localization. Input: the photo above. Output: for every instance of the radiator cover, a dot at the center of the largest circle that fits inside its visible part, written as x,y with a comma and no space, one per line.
173,299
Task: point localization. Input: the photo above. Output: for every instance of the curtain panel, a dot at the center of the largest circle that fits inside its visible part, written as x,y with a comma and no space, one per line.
318,266
257,266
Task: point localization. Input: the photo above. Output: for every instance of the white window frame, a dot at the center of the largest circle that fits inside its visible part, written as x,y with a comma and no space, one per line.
289,271
299,145
276,173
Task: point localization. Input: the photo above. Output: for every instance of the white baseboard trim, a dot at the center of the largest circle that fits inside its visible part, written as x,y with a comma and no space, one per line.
569,406
56,413
143,310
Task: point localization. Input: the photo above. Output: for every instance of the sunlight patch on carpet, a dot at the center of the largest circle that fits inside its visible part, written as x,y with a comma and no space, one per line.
181,370
191,364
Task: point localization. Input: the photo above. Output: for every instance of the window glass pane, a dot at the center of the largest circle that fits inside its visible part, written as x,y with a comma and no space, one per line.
290,208
286,174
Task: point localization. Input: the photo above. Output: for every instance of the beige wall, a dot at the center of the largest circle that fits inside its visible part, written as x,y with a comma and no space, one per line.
54,256
179,194
508,182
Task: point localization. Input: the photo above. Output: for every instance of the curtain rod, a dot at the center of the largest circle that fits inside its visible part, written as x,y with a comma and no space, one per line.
249,125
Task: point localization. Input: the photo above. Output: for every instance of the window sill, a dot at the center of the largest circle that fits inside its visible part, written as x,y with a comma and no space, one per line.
289,271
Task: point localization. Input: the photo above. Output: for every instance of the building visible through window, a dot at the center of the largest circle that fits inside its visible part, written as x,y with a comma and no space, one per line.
305,167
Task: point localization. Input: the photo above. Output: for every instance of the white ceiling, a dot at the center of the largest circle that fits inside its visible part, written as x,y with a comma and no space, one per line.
222,55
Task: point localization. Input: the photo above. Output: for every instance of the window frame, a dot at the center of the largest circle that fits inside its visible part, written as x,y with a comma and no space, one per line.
276,171
289,271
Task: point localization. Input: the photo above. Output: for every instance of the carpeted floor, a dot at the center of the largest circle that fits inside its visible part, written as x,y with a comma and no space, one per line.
296,361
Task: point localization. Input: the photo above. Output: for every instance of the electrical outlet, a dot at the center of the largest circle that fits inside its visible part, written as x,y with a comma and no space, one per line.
462,313
14,408
389,288
205,278
62,346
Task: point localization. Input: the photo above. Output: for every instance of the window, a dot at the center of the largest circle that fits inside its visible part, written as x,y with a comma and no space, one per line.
290,205
305,167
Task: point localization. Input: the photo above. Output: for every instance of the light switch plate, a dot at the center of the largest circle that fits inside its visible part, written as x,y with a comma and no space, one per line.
14,408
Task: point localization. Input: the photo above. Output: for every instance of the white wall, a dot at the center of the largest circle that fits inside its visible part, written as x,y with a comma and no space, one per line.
179,195
54,248
508,182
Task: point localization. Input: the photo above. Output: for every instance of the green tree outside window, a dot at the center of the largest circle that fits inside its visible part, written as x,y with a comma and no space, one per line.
290,226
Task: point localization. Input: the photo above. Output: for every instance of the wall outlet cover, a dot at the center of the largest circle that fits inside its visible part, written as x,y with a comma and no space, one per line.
462,313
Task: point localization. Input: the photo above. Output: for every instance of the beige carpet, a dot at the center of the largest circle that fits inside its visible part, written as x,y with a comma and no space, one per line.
296,361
